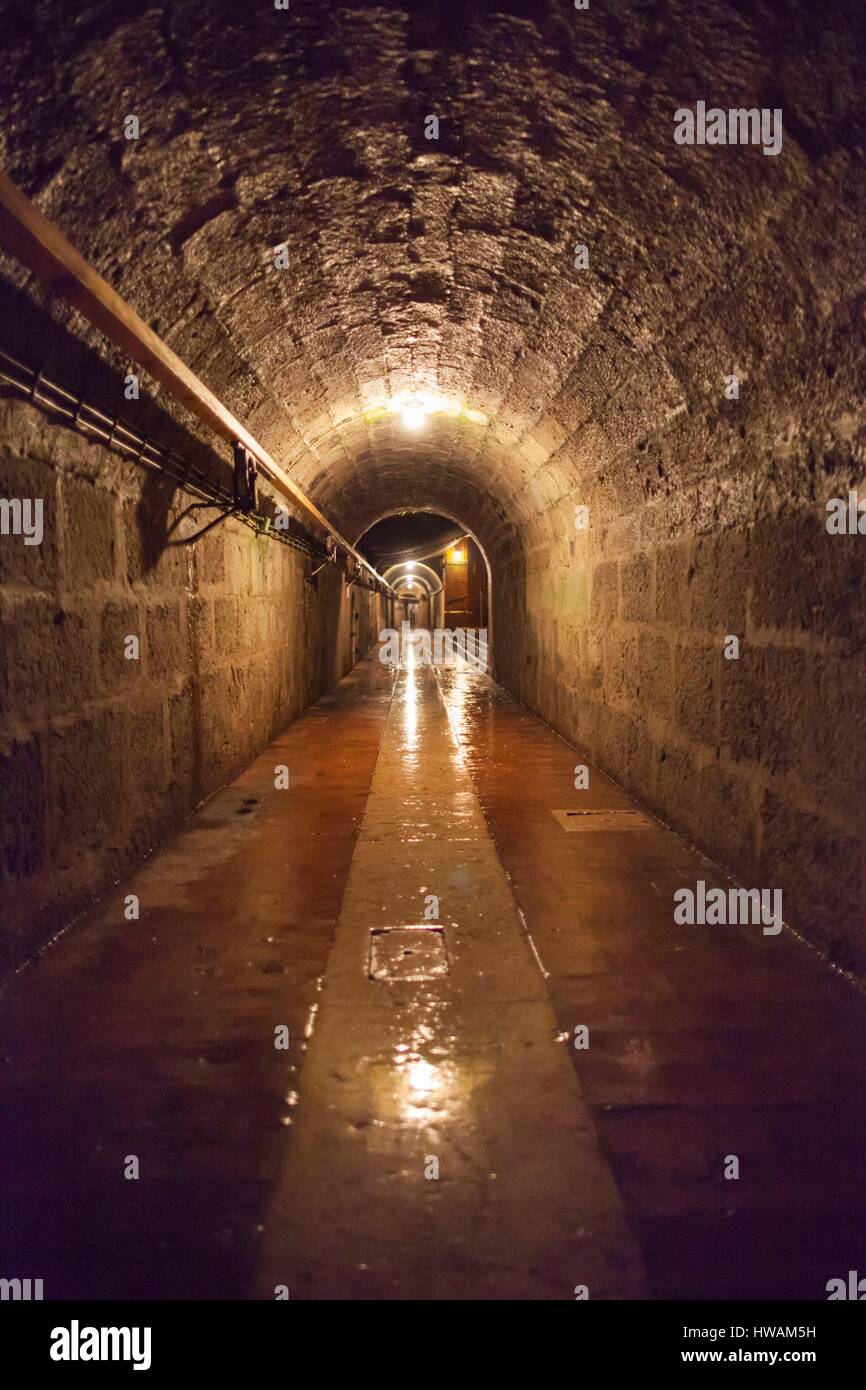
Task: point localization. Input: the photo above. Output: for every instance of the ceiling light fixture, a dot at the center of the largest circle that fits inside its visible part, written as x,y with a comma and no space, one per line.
413,415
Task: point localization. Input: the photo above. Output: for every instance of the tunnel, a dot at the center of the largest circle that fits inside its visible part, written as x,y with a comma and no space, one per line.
433,478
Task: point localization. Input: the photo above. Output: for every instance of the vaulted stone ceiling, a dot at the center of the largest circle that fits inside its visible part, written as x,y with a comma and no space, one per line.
447,266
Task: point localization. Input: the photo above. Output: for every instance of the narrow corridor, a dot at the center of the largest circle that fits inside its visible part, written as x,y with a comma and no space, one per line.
418,911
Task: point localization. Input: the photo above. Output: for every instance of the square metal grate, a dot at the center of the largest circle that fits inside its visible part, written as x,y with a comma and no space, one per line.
408,953
603,820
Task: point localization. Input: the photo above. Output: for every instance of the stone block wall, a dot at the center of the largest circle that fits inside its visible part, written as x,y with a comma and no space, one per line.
756,758
102,756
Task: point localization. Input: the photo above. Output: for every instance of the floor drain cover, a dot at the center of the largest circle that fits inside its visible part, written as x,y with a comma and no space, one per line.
407,953
604,820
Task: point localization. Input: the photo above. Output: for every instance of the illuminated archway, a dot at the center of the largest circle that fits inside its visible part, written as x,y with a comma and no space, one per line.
458,521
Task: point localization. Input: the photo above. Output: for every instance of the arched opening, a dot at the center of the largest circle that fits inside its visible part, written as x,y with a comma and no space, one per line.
420,591
437,563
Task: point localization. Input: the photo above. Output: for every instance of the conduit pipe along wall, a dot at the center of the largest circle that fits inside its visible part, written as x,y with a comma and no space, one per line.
139,673
29,236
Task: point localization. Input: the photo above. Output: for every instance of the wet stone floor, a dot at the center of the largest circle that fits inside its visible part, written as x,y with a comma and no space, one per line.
338,1045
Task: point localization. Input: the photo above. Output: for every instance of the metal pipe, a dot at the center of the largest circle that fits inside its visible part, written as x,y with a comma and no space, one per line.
95,423
29,236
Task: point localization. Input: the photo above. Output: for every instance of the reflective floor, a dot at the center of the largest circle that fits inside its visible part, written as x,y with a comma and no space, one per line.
338,1044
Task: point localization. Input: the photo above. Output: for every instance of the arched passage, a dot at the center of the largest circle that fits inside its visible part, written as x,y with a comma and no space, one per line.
485,610
412,579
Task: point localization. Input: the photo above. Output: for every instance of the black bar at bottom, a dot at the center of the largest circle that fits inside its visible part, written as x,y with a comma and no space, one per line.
164,1340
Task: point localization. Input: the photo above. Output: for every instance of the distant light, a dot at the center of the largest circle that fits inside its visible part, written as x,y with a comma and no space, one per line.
457,557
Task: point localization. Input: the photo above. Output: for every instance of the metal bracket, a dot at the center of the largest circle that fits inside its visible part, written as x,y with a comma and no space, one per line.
246,472
196,507
36,380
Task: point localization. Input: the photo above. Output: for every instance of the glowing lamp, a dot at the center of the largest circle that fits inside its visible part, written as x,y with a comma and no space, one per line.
413,416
